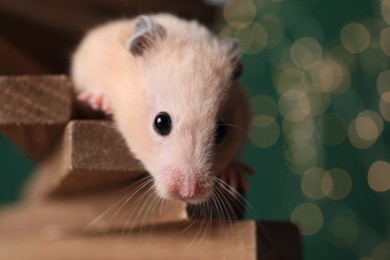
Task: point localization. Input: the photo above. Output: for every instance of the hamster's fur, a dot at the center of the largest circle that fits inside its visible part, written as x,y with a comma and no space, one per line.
137,68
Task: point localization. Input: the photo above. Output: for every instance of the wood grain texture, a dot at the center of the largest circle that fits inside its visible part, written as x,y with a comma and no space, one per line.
34,111
119,209
180,240
93,156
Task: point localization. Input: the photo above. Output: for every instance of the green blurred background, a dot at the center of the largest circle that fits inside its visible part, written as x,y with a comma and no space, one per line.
319,77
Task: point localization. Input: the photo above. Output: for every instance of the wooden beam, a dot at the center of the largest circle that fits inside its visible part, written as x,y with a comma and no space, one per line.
186,240
92,156
34,111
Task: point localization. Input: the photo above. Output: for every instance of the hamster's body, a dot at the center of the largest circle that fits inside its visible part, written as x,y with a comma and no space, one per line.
159,67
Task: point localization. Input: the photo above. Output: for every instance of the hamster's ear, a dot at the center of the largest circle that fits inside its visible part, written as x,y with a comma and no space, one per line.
231,49
146,33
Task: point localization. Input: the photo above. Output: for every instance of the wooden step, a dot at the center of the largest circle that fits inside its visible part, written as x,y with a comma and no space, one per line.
34,111
126,208
93,156
183,240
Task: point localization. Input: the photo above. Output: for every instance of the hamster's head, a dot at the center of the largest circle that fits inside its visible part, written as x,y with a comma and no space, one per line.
187,83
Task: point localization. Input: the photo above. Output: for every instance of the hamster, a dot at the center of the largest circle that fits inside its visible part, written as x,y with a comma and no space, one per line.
172,89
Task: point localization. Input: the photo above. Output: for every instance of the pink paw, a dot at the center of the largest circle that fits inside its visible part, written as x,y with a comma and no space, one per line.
96,100
233,175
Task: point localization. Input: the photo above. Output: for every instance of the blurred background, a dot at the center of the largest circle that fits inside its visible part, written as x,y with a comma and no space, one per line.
318,75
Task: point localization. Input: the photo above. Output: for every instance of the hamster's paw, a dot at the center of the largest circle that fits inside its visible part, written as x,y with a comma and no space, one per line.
96,100
233,175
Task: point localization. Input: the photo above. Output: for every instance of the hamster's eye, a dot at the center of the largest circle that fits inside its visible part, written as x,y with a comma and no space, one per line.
162,123
221,131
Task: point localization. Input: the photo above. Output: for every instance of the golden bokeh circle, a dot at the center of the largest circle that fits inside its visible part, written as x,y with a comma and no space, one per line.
382,251
274,28
364,131
240,14
259,39
379,176
245,38
342,231
331,77
294,105
306,53
301,153
383,82
287,78
264,105
336,184
385,40
384,105
385,10
311,183
355,37
308,217
299,131
264,131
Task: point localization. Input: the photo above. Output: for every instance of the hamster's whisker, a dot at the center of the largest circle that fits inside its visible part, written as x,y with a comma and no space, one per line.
120,202
236,126
240,200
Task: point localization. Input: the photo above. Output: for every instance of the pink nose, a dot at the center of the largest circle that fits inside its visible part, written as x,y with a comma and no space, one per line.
185,192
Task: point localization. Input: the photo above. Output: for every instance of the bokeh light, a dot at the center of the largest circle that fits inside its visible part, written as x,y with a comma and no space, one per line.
259,39
240,14
264,131
365,129
264,105
298,131
289,78
342,231
301,156
355,37
319,101
330,76
311,183
336,184
274,29
385,40
379,176
384,105
331,88
385,10
382,251
306,53
308,217
294,105
383,82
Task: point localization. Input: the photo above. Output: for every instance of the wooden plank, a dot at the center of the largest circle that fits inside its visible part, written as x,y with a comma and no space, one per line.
93,156
182,240
34,111
179,241
127,208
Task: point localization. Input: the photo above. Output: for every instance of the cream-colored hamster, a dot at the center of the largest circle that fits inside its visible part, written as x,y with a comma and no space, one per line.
172,89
